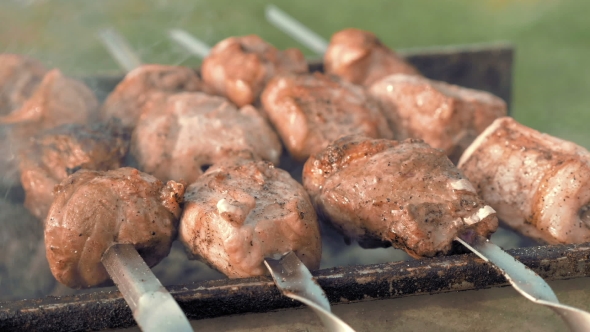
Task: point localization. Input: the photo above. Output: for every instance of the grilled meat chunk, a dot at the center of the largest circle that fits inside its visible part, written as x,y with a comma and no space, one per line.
58,100
406,194
239,67
445,116
311,111
178,135
538,184
55,154
128,98
93,210
241,211
359,57
19,78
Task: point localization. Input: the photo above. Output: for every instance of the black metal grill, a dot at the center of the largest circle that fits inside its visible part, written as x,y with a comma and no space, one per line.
484,67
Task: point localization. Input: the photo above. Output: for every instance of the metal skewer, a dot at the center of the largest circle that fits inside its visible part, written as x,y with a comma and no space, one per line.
295,281
119,49
295,29
154,309
190,43
525,281
291,276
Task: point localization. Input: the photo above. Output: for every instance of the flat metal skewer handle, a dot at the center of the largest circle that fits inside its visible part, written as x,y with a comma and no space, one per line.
295,281
119,49
527,282
195,46
154,309
295,29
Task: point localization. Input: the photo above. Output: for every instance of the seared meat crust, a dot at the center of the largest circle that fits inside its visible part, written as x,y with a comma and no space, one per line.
19,78
406,194
311,111
58,100
242,211
445,116
55,154
127,100
359,57
93,210
239,67
178,135
538,184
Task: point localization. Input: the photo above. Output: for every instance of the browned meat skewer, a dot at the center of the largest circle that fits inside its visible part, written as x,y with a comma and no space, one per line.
239,67
55,154
359,57
179,135
310,111
128,98
19,78
538,184
243,210
93,210
405,194
58,100
445,116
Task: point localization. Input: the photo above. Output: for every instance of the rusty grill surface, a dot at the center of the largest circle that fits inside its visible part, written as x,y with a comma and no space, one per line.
485,67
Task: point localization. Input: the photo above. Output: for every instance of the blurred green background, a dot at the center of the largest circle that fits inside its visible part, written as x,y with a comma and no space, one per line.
552,38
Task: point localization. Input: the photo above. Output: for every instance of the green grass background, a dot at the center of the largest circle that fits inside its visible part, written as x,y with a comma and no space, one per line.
552,38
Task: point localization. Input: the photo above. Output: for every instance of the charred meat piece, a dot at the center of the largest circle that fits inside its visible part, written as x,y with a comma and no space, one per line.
242,211
446,116
240,67
538,184
177,136
359,57
58,100
57,153
93,210
405,194
311,111
19,78
128,98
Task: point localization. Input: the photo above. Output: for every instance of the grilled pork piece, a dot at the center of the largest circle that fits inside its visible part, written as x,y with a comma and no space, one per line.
239,67
128,98
93,210
405,194
55,154
359,57
446,116
310,111
243,210
539,184
178,135
58,100
19,78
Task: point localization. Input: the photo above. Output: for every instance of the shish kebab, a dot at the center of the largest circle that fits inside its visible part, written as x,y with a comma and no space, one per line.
289,273
56,115
523,280
153,307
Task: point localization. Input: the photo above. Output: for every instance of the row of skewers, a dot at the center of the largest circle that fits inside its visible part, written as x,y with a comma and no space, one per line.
219,135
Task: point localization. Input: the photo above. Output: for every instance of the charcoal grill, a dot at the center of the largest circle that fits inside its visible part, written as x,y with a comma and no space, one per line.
487,67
